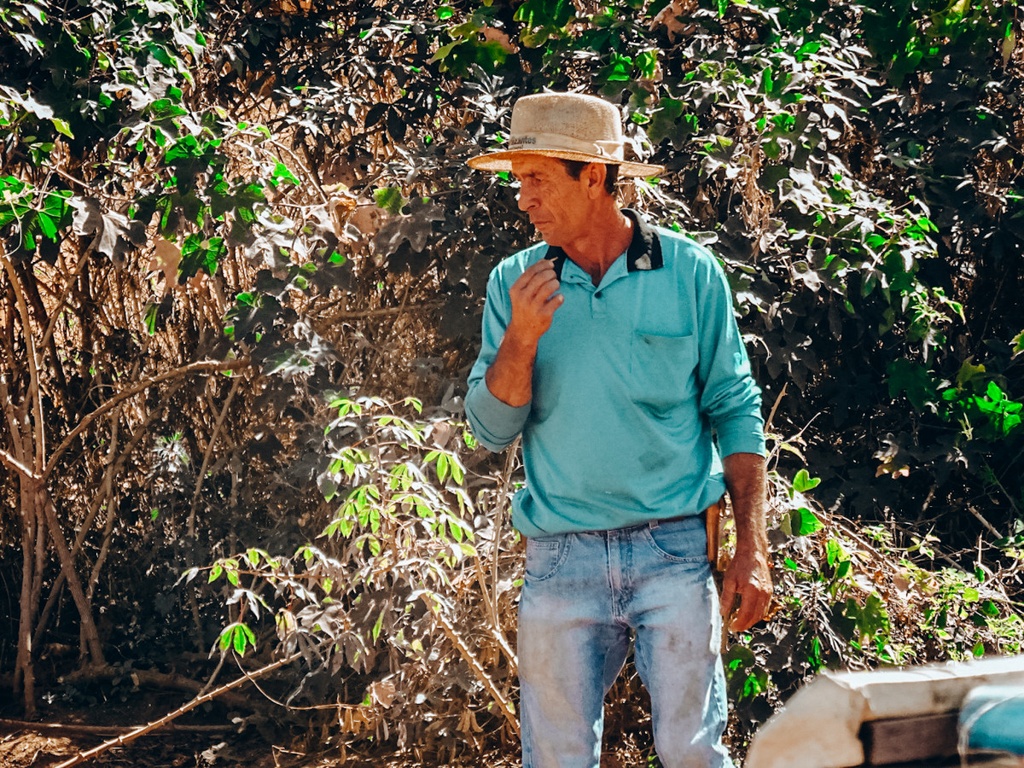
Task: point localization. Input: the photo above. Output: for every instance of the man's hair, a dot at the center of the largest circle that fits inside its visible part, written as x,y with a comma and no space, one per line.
575,167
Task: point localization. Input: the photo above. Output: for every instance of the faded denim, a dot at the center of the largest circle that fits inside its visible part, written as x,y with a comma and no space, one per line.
584,596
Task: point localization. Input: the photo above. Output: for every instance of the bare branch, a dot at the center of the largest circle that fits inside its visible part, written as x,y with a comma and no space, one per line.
209,452
142,730
13,464
474,664
204,366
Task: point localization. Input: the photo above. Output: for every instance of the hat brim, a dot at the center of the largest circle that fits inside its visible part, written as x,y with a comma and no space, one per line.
502,161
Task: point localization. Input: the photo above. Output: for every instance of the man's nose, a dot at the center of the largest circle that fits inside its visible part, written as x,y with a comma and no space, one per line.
525,199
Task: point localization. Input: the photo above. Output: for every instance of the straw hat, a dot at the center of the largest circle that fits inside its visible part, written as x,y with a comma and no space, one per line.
570,126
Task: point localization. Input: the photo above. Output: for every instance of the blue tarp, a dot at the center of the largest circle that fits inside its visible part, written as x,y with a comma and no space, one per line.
992,719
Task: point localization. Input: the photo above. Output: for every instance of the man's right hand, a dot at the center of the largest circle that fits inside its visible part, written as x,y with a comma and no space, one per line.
534,297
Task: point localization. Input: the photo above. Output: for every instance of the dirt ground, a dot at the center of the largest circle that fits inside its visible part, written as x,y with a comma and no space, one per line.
64,735
204,739
25,747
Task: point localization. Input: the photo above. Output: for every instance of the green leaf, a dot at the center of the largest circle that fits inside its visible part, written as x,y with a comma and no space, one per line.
1018,343
803,522
803,481
149,320
237,637
281,171
442,466
914,380
834,551
47,226
390,199
62,126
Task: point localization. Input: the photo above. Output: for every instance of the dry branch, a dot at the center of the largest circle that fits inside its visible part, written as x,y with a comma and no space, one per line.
68,729
201,475
13,464
203,366
142,730
152,678
474,663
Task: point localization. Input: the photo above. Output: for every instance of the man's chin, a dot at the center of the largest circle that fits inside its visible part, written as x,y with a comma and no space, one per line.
548,235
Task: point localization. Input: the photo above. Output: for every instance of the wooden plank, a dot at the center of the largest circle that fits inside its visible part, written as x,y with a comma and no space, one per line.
909,739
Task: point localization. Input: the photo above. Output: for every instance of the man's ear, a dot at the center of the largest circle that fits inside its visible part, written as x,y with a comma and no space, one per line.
594,175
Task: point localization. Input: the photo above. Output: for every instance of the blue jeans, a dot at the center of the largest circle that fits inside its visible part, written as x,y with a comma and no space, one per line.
583,595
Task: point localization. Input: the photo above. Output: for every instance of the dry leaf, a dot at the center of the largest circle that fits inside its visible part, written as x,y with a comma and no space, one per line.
1009,43
366,220
383,692
669,17
493,35
166,257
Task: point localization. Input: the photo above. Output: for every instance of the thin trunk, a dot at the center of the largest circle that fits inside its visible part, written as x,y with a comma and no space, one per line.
28,437
90,636
24,670
113,468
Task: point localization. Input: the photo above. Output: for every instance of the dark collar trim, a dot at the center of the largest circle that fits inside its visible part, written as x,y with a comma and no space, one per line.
645,251
643,254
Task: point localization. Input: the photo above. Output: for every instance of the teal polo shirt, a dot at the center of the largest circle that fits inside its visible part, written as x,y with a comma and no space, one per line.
640,385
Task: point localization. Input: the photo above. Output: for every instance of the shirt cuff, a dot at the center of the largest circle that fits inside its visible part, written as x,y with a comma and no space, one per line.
494,423
741,435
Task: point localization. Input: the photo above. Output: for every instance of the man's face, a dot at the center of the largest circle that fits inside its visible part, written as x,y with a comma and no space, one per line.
558,205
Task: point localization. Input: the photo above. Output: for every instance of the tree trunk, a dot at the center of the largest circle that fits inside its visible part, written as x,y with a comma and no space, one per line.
90,636
24,669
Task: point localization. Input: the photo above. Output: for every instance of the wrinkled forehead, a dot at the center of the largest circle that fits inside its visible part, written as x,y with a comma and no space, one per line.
529,166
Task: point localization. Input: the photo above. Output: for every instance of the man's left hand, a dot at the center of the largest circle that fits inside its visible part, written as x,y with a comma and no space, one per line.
748,580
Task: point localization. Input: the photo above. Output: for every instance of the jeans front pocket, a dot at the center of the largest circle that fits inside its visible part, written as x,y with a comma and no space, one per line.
680,541
544,555
663,369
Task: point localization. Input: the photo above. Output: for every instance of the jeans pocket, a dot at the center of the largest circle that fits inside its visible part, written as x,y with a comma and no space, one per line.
544,555
680,541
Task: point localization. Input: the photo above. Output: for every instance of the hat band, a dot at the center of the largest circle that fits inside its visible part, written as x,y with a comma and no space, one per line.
538,142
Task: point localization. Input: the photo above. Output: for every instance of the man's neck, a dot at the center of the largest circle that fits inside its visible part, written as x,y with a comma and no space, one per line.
598,249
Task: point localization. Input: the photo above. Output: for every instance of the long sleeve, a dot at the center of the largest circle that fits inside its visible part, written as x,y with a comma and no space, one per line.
494,423
730,398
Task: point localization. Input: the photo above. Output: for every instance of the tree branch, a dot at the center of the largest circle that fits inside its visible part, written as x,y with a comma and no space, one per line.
142,730
197,367
16,466
61,729
206,458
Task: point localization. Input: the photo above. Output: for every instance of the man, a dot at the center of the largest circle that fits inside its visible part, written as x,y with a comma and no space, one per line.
613,349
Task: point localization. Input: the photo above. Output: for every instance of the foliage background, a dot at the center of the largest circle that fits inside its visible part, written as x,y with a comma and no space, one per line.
238,238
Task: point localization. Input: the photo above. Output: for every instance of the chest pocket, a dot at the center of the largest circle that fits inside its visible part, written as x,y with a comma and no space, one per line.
663,369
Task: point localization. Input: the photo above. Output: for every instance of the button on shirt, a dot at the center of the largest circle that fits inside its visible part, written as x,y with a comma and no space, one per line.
639,386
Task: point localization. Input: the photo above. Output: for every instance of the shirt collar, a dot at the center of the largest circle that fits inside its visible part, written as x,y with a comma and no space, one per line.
644,252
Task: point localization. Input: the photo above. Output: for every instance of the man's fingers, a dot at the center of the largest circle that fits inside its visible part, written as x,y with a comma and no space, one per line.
745,617
535,298
728,599
541,290
537,282
752,608
536,290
